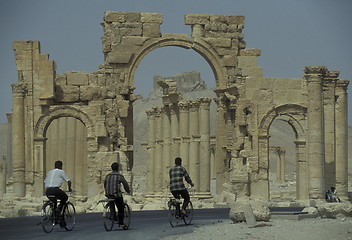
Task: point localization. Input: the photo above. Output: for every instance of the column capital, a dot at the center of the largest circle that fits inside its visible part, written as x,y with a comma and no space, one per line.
18,89
194,105
315,73
315,70
150,113
342,84
184,106
205,103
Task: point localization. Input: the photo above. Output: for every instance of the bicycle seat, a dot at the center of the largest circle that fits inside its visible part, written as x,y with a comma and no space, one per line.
52,198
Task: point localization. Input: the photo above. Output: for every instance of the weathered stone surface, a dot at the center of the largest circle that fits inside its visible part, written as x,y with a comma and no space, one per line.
333,210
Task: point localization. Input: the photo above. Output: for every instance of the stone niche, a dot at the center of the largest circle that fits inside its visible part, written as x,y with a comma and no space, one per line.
47,104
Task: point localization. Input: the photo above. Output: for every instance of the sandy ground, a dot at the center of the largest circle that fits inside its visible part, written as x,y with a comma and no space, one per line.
306,229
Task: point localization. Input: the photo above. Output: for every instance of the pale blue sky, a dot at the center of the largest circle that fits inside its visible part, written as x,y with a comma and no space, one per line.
290,33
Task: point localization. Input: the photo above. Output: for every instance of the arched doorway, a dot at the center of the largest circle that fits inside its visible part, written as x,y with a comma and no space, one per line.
66,141
295,116
214,63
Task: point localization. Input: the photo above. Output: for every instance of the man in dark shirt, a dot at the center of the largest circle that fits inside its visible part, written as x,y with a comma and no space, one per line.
112,185
177,187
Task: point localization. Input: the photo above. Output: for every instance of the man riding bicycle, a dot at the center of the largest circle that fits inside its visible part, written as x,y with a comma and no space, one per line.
53,182
177,187
112,185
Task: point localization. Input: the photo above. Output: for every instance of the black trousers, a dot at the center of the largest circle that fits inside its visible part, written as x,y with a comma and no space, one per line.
184,194
58,193
120,208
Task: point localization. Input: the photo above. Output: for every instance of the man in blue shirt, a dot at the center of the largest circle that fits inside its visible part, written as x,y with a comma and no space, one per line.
177,187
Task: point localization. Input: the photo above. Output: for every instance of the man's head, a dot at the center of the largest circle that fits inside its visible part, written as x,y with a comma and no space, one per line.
115,167
178,161
58,164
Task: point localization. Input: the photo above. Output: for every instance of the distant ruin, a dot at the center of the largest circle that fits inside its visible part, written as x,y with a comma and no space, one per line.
95,111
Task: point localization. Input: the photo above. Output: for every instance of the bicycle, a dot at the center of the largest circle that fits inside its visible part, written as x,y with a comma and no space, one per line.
109,218
175,214
50,217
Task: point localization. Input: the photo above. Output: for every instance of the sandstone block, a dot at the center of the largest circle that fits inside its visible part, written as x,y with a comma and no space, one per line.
67,93
110,16
191,19
235,19
77,78
119,57
133,17
151,30
219,42
152,18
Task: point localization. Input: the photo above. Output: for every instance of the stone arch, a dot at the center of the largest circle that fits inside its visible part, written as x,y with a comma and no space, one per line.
293,114
62,111
198,45
288,113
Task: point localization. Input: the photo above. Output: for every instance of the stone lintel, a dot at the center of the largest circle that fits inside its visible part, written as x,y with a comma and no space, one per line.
250,52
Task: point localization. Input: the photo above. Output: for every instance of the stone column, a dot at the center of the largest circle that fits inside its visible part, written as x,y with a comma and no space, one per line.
18,140
2,176
281,164
301,171
150,152
194,144
315,136
158,165
9,164
204,148
166,146
341,127
184,133
329,127
220,152
175,133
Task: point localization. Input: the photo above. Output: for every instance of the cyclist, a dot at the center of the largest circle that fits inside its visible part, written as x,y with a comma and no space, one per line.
112,185
177,187
53,182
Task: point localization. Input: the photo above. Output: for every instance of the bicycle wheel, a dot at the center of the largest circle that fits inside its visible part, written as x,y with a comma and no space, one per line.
189,214
108,217
127,219
173,215
69,216
48,219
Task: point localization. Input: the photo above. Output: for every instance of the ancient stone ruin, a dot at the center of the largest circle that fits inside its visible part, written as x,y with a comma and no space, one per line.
86,119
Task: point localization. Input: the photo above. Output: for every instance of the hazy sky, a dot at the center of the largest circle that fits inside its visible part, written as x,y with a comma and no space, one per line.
290,33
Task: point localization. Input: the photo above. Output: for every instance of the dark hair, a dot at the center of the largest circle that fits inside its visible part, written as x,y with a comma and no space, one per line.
178,161
58,164
115,166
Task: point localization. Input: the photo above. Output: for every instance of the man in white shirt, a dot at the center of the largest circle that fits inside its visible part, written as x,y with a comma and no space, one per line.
53,183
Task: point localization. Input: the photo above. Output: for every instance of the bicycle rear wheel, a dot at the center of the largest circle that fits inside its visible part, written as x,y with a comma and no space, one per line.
127,219
48,219
69,216
189,214
173,215
108,217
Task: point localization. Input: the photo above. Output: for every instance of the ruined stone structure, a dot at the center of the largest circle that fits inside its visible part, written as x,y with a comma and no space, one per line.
315,106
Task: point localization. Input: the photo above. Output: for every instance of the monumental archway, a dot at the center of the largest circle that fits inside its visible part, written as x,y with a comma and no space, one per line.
246,102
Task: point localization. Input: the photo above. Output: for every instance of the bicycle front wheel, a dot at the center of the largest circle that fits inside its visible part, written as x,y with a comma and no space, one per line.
108,216
48,219
69,216
187,218
173,215
127,218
